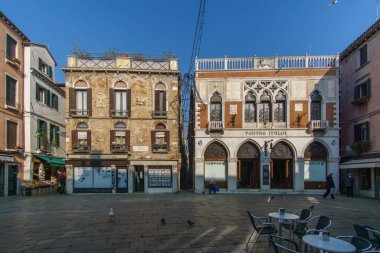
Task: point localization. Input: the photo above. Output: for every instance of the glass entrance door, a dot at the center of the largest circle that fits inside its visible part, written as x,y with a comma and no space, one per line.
139,178
122,180
12,180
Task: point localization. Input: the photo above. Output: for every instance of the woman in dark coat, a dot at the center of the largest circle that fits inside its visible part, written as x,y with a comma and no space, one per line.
329,185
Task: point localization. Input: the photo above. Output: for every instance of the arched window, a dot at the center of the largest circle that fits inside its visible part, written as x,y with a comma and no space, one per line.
279,107
119,138
120,100
80,99
81,138
250,108
315,166
160,109
315,106
216,107
264,109
160,138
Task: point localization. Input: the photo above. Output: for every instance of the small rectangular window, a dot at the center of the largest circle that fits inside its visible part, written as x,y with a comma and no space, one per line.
11,47
362,90
363,55
361,132
11,86
42,137
44,68
40,94
11,135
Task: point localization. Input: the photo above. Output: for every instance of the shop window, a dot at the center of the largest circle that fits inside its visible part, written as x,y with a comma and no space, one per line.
160,109
264,109
159,177
11,134
316,106
365,179
42,137
250,108
54,135
45,68
81,138
11,91
120,138
279,108
216,107
160,138
363,55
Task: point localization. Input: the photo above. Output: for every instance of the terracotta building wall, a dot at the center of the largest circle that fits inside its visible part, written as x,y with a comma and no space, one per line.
233,121
304,115
331,113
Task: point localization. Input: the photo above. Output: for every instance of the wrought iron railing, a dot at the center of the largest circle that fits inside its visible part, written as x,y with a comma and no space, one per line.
81,148
119,148
160,114
276,62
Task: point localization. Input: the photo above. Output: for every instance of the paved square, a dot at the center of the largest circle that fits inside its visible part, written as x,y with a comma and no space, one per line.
80,223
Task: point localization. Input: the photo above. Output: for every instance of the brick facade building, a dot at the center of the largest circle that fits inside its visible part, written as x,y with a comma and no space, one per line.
265,124
122,124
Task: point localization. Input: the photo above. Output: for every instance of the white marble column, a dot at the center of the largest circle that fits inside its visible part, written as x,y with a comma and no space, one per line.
264,163
232,175
299,174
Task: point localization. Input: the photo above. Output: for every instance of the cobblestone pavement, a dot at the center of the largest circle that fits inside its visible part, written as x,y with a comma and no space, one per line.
80,223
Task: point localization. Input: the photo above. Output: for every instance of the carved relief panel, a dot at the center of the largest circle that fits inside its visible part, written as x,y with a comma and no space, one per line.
281,151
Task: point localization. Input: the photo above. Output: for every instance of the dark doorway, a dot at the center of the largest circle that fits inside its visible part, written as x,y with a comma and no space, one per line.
282,174
2,180
248,173
139,178
12,180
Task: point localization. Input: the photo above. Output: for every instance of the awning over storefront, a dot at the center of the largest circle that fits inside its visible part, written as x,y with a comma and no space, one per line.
6,158
361,163
52,161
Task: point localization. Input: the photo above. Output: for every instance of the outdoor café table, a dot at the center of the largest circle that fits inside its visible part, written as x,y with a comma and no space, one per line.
281,218
332,245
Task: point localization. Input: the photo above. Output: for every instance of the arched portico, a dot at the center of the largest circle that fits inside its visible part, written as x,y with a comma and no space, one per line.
282,166
216,167
248,166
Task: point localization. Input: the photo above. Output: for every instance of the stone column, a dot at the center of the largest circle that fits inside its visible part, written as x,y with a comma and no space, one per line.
69,179
199,175
264,169
28,167
232,175
299,174
175,178
333,167
131,179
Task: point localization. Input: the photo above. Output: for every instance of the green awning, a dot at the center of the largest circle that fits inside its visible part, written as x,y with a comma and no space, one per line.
52,161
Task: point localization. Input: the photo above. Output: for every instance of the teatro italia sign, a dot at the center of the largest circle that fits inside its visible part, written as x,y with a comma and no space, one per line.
265,133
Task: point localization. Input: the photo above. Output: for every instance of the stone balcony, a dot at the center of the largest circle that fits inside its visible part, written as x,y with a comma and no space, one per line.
318,125
215,126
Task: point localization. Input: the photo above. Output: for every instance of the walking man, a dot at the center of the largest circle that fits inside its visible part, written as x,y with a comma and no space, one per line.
349,183
329,186
62,182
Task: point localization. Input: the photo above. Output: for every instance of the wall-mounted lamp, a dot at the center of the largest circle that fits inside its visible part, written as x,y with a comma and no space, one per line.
267,144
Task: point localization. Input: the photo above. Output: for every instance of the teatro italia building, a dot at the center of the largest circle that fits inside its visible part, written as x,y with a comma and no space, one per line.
265,124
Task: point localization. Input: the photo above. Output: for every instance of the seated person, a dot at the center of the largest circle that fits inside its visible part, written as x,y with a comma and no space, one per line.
211,187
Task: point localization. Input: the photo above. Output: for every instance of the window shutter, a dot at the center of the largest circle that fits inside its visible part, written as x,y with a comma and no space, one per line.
112,100
72,99
89,101
356,92
74,137
368,87
57,135
156,100
112,137
47,98
128,139
52,132
37,92
11,135
129,102
39,64
167,138
164,100
357,134
89,138
50,71
152,137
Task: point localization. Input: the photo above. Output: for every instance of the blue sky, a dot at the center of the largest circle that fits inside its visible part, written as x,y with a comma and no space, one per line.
236,28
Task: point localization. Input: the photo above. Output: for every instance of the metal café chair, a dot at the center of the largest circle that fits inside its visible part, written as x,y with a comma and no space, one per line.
360,243
304,214
302,229
281,244
363,231
376,238
261,226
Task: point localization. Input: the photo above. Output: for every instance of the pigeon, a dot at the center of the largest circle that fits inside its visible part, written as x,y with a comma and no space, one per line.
269,198
111,213
311,207
163,222
333,2
190,222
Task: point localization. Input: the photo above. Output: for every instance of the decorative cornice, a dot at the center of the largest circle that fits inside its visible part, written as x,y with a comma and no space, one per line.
117,70
48,81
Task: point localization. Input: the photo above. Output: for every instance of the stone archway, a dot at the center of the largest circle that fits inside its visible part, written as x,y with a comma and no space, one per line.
248,166
315,166
282,160
216,165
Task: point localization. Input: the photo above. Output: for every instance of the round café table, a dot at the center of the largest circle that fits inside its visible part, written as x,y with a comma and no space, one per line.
281,218
332,245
